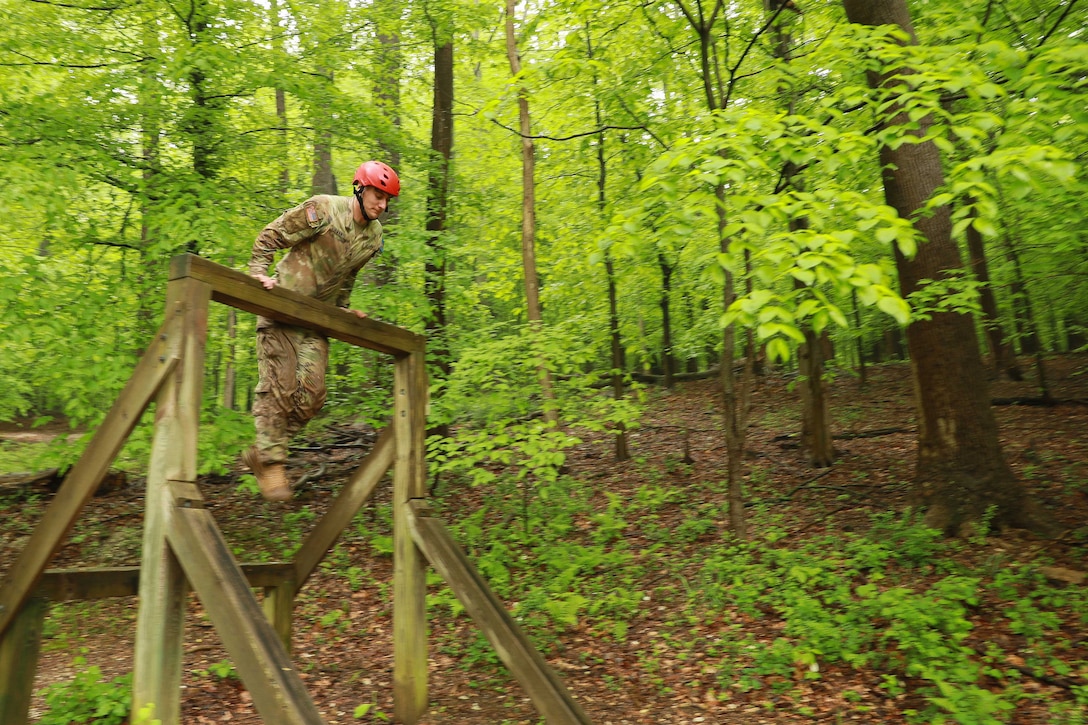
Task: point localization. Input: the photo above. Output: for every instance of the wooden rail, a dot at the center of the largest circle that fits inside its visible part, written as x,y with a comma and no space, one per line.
245,293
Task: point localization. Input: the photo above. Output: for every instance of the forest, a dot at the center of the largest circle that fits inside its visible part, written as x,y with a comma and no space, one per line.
756,338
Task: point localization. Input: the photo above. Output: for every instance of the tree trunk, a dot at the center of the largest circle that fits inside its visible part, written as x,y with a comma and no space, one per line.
735,389
323,180
390,65
281,115
229,375
1024,315
1004,359
962,478
616,344
438,205
859,341
199,123
668,362
815,412
528,217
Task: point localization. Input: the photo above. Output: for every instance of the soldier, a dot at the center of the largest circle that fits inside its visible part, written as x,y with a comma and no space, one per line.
328,238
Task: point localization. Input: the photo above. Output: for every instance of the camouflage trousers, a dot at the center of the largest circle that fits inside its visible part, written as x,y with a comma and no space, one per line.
290,390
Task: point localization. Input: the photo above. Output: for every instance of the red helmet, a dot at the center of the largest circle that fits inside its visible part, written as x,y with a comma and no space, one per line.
375,173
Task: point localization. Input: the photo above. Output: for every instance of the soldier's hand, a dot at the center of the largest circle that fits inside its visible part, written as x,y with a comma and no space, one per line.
358,313
266,281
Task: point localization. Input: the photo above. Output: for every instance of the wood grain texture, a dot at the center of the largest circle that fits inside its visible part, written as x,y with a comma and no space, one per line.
239,290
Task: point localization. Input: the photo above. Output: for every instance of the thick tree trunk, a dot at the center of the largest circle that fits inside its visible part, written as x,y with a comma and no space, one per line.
962,477
528,215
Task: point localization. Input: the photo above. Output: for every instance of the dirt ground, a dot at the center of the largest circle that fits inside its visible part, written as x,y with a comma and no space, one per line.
346,661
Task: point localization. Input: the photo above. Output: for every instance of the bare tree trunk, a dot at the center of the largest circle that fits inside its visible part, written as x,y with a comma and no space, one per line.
1004,359
390,64
438,204
281,117
736,389
815,412
616,344
1024,315
324,182
230,373
528,217
859,343
961,471
668,361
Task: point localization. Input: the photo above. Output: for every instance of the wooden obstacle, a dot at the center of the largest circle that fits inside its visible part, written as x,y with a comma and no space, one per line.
183,547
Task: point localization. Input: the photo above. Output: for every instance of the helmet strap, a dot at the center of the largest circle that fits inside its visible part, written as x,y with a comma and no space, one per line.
358,191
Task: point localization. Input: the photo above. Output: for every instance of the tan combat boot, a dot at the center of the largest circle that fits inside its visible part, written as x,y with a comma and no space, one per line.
271,478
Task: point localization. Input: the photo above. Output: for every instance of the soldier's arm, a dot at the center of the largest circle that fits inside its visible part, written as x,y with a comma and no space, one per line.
343,298
290,228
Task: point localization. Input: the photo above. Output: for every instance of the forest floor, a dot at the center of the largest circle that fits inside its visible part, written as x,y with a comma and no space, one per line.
668,660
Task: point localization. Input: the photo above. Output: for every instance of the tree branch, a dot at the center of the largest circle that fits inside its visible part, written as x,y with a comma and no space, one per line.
1058,22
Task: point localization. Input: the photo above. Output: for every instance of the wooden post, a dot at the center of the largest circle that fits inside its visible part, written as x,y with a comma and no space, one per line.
163,591
409,576
252,643
549,696
279,605
19,647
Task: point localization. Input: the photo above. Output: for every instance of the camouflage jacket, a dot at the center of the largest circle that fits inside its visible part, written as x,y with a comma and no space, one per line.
326,248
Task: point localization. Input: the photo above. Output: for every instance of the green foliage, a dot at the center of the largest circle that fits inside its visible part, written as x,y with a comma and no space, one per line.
87,698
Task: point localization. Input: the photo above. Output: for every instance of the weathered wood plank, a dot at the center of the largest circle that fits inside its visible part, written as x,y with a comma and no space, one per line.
242,291
19,647
348,502
68,585
83,478
157,663
278,605
252,643
541,683
409,574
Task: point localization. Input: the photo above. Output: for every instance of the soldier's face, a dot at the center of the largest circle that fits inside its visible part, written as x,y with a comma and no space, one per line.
375,201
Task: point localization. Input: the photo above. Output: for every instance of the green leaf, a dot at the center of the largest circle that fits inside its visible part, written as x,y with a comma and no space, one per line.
896,307
984,227
804,276
778,350
886,235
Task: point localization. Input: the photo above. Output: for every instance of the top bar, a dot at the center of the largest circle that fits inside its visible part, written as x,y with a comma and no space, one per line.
244,292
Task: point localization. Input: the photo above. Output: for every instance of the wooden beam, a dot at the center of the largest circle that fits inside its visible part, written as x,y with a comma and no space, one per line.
252,643
19,647
67,585
409,573
551,698
160,621
348,502
278,605
83,478
244,292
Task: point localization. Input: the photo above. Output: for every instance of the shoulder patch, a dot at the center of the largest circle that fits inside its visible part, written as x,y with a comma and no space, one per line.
311,214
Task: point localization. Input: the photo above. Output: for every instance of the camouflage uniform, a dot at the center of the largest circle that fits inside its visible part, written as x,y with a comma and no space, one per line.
327,248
